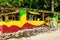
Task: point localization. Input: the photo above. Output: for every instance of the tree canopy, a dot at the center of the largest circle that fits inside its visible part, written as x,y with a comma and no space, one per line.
36,4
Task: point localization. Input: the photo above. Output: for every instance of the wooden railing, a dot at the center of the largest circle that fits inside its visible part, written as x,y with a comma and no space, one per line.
58,20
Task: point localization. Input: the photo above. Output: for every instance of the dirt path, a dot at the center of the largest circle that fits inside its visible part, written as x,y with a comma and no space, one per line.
54,35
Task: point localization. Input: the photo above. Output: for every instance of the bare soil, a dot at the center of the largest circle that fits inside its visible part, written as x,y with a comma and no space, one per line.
54,35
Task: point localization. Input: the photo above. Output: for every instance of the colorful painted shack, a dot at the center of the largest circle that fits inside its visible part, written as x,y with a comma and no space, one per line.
26,19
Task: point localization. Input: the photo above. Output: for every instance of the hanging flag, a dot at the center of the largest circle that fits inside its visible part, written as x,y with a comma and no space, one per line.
55,19
55,16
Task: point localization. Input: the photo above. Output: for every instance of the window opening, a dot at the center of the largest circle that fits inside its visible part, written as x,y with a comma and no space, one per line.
13,17
34,17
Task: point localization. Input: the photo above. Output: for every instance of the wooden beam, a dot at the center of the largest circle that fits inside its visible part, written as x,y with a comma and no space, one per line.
43,16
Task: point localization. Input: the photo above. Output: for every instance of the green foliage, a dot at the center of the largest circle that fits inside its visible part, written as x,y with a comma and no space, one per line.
39,4
47,3
16,4
4,3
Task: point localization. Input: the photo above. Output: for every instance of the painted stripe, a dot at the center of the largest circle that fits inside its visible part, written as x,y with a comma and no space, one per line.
32,12
22,12
15,28
6,29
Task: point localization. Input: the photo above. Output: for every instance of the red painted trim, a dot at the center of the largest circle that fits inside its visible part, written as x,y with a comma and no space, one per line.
15,28
28,26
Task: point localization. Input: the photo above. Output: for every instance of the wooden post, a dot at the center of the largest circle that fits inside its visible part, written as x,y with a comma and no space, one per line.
0,18
6,17
43,16
35,18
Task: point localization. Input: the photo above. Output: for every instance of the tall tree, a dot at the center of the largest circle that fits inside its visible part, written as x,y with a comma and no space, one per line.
52,5
47,4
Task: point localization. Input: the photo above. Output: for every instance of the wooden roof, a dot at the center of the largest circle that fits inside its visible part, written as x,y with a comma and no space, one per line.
37,10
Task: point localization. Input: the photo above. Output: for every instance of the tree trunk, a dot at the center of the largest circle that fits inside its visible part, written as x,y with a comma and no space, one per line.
52,6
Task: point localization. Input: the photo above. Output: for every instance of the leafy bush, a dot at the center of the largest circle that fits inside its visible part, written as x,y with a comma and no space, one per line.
38,4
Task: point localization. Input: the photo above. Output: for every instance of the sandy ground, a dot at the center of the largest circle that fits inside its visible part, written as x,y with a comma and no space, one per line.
54,35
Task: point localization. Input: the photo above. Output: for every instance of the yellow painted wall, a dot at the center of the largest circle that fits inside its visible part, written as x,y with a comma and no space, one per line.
10,23
56,22
21,22
23,19
36,22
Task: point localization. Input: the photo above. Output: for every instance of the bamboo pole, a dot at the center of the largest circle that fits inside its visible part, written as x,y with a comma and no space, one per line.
43,16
